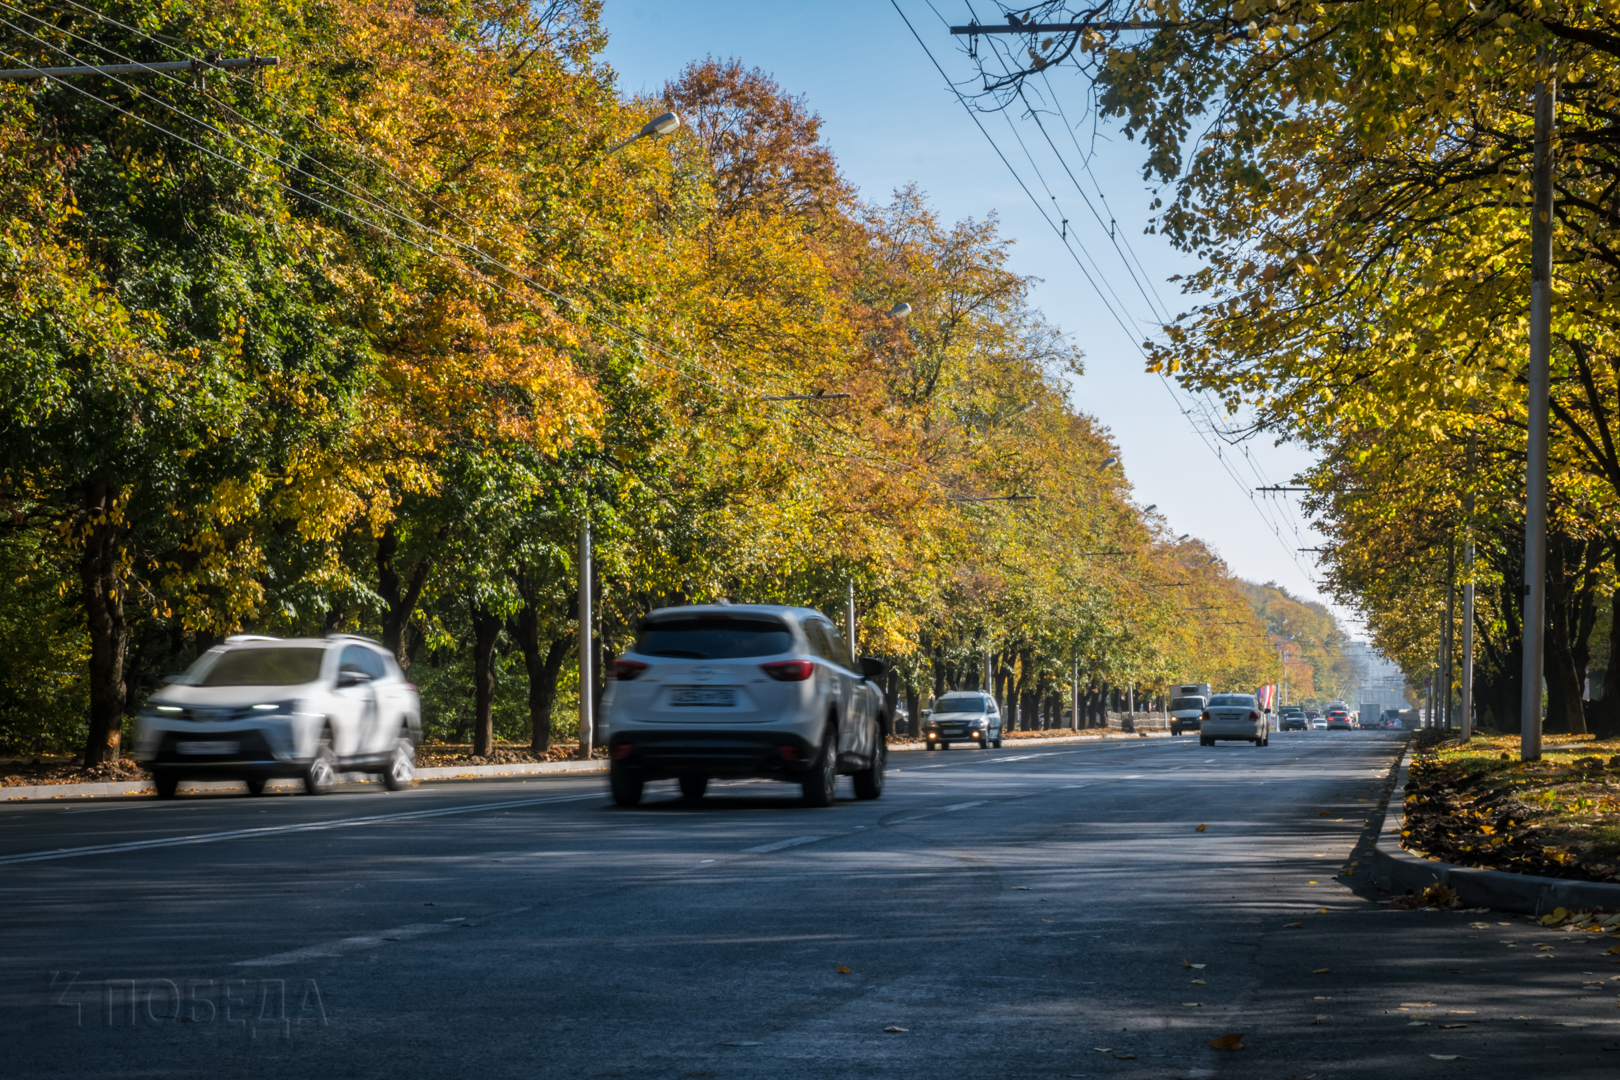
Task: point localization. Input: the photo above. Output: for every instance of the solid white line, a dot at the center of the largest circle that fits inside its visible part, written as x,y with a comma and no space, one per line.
273,830
962,806
349,944
780,844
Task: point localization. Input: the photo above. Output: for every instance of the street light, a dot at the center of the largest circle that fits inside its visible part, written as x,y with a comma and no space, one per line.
900,310
1149,508
1110,461
662,124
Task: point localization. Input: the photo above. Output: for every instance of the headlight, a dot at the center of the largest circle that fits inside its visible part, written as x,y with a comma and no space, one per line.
270,708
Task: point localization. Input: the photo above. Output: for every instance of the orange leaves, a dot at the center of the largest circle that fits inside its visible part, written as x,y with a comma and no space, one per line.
1232,1041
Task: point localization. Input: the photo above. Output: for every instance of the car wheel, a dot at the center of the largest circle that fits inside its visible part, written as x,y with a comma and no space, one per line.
869,781
1265,740
944,746
256,784
167,784
1202,741
984,742
1174,730
929,746
821,785
625,785
998,742
693,787
322,772
401,771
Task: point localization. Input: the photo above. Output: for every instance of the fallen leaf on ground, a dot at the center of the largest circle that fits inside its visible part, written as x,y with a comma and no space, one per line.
1103,1049
1193,1004
1125,1057
1197,967
1418,1023
1319,1019
1294,926
1201,828
1199,982
1446,1057
842,970
1322,971
1234,1041
1323,911
1443,1027
1613,950
894,1030
1323,813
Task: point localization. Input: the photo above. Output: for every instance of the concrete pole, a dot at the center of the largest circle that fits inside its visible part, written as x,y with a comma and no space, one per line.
1535,479
1468,602
1448,640
1074,690
587,665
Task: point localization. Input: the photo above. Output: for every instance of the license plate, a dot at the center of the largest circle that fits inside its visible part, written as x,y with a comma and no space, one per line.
208,747
723,696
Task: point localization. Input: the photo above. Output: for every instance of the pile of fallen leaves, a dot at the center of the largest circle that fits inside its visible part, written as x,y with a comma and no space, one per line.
1478,805
40,770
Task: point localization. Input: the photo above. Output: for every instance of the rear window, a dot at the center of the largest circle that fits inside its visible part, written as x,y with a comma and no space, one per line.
959,704
287,666
1244,700
1186,703
713,637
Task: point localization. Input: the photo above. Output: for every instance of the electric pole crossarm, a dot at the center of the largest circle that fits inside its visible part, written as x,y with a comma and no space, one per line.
139,69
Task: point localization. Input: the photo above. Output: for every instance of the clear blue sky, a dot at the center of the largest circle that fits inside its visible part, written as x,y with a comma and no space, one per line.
890,120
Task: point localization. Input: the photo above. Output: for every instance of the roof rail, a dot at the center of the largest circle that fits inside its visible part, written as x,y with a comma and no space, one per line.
335,635
234,638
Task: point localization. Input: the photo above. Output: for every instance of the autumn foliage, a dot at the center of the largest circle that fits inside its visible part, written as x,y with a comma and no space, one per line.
356,341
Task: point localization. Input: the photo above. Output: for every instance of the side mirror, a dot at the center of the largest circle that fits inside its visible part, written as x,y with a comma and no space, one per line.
873,668
352,678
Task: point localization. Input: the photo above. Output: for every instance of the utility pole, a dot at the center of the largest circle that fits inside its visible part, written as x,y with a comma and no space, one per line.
1535,471
587,673
1448,639
1468,597
1074,689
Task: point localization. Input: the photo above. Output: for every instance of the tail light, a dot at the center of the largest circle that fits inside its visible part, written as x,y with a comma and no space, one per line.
1204,715
1254,715
625,670
622,750
789,670
788,753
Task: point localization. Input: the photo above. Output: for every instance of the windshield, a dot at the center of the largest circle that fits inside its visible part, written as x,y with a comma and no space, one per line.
286,666
713,637
1186,703
1244,700
959,704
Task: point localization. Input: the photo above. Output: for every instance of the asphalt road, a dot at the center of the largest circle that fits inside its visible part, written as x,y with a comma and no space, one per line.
1029,912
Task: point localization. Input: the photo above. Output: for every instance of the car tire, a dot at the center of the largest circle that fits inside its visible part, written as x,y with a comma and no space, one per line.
693,787
944,745
931,746
166,784
821,786
1202,741
984,743
321,773
869,781
625,785
401,771
1174,730
256,784
998,742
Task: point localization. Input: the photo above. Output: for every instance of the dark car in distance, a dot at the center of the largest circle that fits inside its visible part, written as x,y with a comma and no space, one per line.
1292,718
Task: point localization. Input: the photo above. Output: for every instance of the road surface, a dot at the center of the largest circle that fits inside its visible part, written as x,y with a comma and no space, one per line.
1029,912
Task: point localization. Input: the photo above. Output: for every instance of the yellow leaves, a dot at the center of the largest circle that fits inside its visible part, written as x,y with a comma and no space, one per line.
1201,828
844,970
1231,1041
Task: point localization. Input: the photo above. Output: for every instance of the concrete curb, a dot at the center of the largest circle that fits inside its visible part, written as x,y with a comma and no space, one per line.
437,774
1397,870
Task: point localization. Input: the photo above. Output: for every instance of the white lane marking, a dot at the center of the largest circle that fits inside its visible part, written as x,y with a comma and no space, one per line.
273,830
348,944
962,806
780,844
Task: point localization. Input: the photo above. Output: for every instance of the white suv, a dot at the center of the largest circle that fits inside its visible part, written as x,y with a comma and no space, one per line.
261,707
743,691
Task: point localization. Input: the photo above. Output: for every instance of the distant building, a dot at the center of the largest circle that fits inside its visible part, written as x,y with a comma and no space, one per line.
1377,679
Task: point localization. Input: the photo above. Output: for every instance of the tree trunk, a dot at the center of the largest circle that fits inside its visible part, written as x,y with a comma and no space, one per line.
913,716
891,696
486,629
102,582
399,592
1606,712
543,669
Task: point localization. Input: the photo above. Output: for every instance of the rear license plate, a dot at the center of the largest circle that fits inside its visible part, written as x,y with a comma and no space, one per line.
723,696
208,747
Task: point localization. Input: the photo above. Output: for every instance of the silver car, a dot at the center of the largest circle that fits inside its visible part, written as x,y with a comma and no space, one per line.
964,716
732,690
1233,717
256,708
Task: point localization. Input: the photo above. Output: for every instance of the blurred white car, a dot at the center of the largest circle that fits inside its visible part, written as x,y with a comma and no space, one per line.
733,690
255,708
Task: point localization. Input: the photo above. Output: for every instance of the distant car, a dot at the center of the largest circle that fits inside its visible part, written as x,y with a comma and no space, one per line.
1233,717
1338,719
1318,725
1184,713
255,708
1312,714
963,716
732,690
1291,718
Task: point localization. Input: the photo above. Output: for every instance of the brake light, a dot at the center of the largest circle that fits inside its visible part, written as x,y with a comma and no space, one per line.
788,753
789,670
622,750
1254,715
1204,715
625,670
